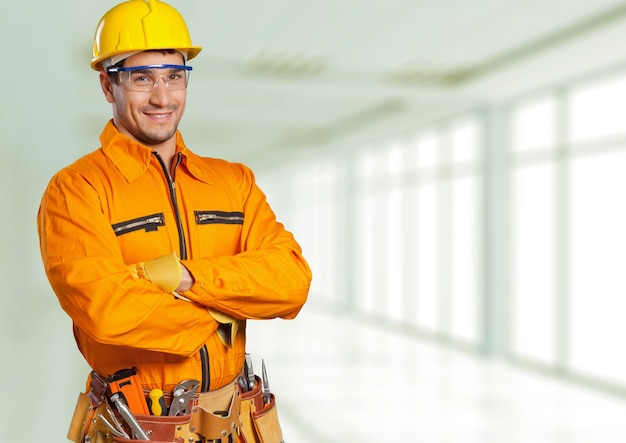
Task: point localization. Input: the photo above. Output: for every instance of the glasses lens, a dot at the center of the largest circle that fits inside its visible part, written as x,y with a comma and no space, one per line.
146,79
177,79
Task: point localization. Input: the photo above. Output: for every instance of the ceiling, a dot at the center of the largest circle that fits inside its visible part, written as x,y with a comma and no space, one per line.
292,76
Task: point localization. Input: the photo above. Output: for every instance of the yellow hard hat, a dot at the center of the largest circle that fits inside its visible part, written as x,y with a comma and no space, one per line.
140,25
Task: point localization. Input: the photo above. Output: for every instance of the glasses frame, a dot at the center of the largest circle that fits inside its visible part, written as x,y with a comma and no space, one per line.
120,69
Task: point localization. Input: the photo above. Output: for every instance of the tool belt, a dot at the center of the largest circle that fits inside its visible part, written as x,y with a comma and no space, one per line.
232,414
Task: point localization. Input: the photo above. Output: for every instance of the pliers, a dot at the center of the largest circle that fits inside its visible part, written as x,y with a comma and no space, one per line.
183,394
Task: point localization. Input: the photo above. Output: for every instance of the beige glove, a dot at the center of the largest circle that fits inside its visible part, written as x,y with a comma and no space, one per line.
165,272
228,327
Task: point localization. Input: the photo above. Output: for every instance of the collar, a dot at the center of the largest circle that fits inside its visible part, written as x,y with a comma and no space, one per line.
133,159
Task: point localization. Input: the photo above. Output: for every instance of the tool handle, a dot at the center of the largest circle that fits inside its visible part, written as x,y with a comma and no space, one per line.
156,402
129,417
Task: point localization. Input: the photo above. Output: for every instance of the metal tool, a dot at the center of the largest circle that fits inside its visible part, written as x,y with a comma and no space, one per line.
138,432
249,371
183,393
267,395
243,383
116,427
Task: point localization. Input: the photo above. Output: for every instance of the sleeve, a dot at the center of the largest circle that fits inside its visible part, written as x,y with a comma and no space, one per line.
269,278
86,270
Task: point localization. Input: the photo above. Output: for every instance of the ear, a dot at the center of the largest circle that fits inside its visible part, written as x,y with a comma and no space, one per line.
107,87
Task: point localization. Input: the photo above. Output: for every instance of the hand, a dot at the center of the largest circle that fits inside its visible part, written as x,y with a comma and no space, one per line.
164,272
186,281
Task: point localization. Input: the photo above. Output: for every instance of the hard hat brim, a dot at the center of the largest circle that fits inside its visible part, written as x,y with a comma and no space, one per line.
96,63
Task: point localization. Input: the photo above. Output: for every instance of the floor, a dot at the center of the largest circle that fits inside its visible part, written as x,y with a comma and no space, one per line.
337,380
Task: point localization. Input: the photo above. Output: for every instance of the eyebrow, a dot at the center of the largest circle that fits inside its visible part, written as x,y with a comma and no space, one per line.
141,71
151,70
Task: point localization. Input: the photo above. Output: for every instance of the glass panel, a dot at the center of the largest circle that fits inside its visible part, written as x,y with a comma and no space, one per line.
532,286
372,163
364,256
533,125
464,138
597,278
325,265
315,226
465,260
394,257
378,237
427,258
428,145
399,158
366,164
598,110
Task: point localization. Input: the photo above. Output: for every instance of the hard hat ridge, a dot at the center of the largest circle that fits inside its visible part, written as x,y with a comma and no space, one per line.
140,25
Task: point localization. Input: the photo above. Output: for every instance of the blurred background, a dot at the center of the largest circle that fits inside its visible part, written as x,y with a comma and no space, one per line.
453,170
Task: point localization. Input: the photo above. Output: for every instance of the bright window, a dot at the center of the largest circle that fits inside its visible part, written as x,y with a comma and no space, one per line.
428,148
533,125
598,110
532,286
427,258
465,142
598,254
465,260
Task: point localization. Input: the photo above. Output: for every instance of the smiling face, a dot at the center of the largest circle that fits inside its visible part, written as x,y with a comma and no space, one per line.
150,118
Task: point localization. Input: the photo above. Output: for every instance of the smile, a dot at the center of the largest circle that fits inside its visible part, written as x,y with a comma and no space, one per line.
159,116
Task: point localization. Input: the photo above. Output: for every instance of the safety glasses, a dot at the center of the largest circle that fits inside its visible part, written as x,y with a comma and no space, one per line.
146,78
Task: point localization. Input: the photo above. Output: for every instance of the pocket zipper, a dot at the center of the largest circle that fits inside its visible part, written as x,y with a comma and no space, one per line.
149,223
215,217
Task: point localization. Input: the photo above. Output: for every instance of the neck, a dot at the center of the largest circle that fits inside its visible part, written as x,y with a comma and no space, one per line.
166,153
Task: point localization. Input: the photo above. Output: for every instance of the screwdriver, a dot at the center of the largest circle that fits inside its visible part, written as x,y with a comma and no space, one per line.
156,402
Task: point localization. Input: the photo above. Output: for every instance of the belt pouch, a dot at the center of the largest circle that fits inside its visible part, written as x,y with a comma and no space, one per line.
86,422
163,429
214,421
259,422
79,418
97,431
251,400
266,423
186,428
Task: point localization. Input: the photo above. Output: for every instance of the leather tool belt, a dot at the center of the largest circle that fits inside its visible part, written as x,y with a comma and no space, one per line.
227,415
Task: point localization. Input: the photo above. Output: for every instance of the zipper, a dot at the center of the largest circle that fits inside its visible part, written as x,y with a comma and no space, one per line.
148,223
171,185
218,217
206,374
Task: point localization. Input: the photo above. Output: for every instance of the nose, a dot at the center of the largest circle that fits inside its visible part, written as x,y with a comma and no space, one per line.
160,93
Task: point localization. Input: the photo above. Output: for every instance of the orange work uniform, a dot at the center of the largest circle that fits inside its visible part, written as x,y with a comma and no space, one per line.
117,206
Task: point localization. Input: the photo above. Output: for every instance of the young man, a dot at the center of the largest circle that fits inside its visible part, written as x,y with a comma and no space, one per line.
157,254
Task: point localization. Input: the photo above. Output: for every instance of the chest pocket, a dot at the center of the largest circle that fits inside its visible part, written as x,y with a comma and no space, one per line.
218,217
146,237
148,223
217,233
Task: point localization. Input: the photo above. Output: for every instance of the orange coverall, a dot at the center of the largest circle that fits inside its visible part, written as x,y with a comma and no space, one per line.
117,206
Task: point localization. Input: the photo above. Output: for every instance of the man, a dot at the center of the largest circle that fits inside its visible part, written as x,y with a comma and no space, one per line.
157,254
